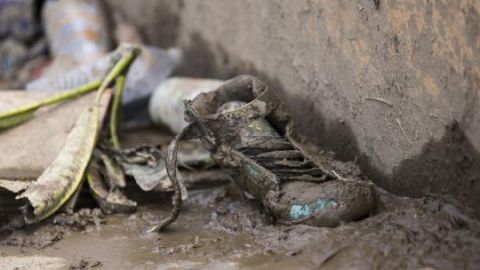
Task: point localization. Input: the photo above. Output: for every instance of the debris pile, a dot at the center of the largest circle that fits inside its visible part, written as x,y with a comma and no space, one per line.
92,153
62,179
236,130
70,115
243,184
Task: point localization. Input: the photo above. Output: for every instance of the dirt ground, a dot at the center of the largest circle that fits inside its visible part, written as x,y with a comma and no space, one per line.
219,228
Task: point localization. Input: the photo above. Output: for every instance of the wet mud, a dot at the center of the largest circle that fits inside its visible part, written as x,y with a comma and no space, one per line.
221,228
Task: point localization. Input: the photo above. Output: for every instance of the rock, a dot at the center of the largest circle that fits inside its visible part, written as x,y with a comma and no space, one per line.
28,149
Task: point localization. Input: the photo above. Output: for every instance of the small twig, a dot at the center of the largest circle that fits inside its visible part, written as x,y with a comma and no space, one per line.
379,100
403,131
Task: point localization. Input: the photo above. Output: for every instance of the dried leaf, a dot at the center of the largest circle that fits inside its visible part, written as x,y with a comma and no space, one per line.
146,165
114,172
60,180
149,178
64,175
69,206
109,201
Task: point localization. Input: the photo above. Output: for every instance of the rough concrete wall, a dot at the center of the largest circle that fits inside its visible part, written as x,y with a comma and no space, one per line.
392,84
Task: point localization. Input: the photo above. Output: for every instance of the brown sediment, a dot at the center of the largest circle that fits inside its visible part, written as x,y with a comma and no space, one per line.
220,228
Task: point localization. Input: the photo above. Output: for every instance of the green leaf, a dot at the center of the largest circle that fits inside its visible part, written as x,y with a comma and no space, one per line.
24,113
15,119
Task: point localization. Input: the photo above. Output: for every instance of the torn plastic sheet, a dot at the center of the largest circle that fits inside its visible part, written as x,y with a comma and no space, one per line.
151,67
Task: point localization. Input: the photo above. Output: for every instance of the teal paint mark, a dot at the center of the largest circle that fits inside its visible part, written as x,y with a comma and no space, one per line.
320,205
300,211
252,170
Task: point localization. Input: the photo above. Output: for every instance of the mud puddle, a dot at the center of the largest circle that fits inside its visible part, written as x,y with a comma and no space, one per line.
221,229
122,242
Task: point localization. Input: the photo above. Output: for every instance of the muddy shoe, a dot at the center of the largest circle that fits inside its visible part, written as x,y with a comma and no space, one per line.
241,124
